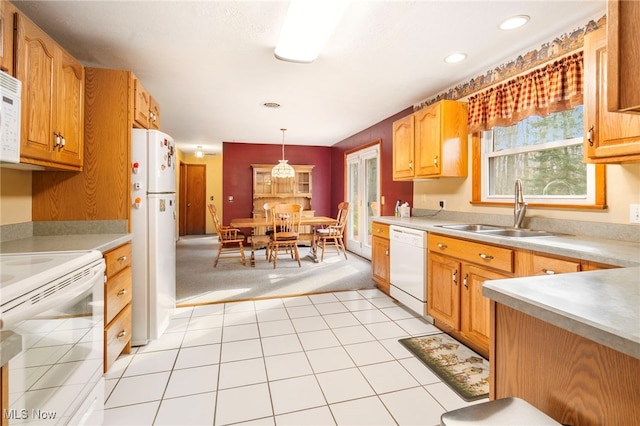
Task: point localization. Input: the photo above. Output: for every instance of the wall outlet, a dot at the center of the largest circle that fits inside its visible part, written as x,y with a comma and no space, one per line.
442,204
634,213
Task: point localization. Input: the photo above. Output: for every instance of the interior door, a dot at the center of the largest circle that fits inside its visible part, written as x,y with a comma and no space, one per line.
193,208
363,194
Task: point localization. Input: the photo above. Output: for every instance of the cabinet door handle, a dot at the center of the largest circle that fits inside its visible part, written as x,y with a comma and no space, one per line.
464,281
56,140
485,256
122,292
435,161
63,142
548,271
590,135
386,252
454,278
442,246
410,165
122,334
122,259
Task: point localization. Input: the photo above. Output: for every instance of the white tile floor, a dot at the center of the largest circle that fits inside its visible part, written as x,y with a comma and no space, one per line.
311,360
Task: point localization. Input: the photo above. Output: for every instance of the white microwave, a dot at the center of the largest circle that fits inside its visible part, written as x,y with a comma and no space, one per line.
10,95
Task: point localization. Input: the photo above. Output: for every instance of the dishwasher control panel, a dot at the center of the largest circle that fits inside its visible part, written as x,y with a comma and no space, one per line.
412,237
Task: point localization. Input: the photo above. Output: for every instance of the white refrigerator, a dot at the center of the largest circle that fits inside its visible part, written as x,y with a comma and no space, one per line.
153,225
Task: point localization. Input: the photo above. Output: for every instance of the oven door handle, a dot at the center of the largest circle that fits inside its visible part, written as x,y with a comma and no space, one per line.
30,308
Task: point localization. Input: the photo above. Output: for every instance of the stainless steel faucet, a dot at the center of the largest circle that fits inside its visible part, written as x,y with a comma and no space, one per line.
519,206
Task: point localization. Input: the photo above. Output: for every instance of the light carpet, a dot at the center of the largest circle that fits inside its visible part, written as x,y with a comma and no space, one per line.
198,282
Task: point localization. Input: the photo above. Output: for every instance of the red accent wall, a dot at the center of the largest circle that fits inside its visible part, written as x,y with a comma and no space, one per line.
392,190
238,174
328,173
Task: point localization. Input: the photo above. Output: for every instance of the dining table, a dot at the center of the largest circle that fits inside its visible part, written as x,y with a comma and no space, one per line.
257,222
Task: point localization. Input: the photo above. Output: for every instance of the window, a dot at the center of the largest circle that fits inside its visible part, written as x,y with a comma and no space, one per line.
546,154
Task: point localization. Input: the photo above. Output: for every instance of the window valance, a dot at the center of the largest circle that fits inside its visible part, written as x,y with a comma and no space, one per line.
555,87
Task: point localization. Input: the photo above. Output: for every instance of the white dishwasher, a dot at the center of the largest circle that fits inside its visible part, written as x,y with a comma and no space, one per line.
409,268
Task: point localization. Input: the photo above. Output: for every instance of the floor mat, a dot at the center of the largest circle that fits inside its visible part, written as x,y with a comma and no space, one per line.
462,369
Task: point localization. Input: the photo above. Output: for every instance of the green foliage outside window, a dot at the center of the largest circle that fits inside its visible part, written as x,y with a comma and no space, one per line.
546,153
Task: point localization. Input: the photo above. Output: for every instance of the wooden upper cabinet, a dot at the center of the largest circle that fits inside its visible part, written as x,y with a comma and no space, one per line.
6,34
154,113
70,111
52,100
609,137
623,62
441,140
141,104
403,148
431,142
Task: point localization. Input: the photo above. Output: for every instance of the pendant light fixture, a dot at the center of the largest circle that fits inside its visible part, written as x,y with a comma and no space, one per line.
283,170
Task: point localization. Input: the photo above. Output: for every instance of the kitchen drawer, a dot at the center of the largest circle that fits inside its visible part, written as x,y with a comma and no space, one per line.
500,258
117,336
546,265
118,259
380,230
117,294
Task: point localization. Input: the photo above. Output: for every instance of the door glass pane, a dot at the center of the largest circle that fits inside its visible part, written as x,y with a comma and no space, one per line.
354,195
371,176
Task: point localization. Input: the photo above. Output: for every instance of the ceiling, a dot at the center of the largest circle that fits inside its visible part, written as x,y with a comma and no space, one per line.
210,64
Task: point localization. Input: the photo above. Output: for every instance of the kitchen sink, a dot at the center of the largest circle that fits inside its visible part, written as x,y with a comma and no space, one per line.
473,227
502,231
521,233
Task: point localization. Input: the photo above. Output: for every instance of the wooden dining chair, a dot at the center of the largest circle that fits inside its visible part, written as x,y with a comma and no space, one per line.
286,230
259,240
231,239
334,234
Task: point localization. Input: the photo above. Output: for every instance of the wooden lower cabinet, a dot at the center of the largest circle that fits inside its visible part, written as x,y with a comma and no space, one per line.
570,378
443,291
117,304
380,261
457,269
475,309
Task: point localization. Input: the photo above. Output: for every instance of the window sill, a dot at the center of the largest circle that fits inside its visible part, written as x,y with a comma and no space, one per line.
542,205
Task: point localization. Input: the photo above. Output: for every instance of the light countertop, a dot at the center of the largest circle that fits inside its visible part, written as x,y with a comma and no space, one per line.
601,305
612,252
100,242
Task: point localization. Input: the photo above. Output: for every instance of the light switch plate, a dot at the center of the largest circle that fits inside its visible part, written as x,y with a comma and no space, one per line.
634,213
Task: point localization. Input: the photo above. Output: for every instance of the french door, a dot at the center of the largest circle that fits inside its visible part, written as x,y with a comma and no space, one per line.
363,194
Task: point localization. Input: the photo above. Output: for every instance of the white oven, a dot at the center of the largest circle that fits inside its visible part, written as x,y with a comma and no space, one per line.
10,92
408,268
54,301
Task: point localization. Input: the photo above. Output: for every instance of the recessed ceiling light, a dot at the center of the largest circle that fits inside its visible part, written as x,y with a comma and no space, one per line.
455,57
514,22
271,104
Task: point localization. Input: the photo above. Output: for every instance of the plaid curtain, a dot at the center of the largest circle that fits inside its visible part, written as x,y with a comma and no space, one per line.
554,87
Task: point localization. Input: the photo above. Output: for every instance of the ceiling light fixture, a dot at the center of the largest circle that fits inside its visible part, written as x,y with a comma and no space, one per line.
271,105
455,57
283,170
514,22
307,27
199,151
